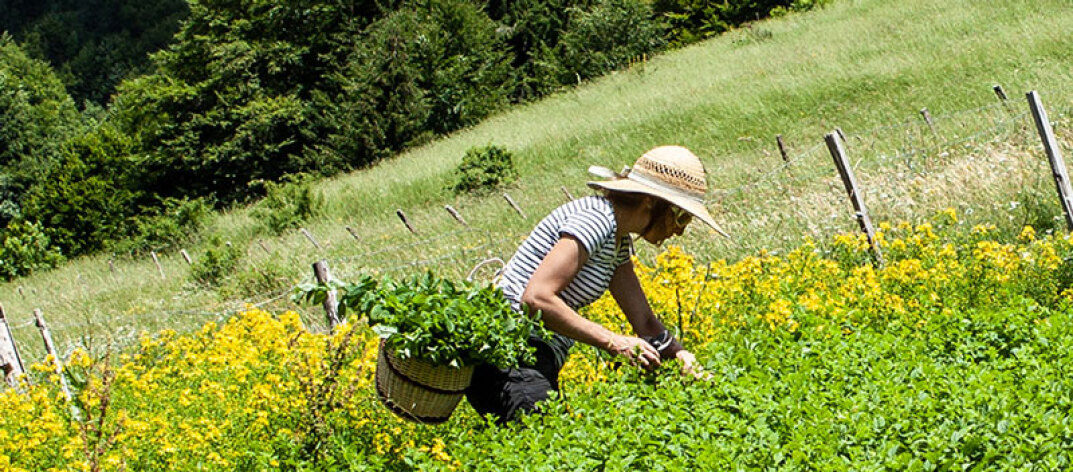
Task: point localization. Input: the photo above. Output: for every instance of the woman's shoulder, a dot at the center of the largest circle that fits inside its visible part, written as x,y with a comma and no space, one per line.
591,203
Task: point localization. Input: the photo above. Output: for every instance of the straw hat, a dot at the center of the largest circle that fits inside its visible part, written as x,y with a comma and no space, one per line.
672,173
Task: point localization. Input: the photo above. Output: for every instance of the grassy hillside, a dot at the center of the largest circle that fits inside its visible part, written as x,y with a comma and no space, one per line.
866,66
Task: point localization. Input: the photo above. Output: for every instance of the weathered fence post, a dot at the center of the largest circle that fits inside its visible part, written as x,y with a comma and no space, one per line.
402,216
842,135
782,149
1054,154
834,145
514,205
457,216
156,260
50,348
927,119
331,306
10,362
310,237
1002,97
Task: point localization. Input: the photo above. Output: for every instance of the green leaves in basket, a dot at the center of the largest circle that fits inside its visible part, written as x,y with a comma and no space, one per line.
440,321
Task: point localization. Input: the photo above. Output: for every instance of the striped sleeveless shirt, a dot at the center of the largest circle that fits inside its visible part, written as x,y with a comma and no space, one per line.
592,221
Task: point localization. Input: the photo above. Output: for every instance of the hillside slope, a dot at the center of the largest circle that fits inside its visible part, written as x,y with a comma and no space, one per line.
866,66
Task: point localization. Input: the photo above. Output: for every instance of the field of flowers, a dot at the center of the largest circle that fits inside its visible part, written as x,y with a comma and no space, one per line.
956,354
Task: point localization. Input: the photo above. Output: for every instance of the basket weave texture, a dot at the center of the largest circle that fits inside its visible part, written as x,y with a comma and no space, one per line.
418,390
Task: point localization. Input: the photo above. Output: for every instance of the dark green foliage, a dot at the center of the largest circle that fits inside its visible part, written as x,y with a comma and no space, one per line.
231,101
26,248
217,264
288,204
483,169
93,44
606,37
689,21
85,198
532,29
429,68
36,116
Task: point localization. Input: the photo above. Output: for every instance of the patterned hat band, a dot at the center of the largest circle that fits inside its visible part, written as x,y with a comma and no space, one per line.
662,186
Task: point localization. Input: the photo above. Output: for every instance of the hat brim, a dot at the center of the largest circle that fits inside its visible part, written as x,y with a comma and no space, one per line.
690,205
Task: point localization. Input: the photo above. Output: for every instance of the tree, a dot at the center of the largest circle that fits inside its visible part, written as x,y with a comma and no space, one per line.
36,115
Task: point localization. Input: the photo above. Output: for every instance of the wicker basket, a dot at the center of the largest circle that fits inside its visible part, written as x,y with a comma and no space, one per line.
418,390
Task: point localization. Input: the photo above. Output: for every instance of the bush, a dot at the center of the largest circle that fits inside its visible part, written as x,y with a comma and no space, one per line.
288,204
483,169
217,264
86,198
25,249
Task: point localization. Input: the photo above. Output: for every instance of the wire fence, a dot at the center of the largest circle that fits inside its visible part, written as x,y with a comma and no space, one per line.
906,168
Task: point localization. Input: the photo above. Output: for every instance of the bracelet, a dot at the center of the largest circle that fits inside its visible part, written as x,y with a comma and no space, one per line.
661,341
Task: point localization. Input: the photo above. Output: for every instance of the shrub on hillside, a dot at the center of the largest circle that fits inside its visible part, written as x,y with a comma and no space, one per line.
217,264
85,199
25,249
483,169
287,204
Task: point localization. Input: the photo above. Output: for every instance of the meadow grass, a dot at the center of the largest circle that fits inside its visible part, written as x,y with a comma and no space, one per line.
865,66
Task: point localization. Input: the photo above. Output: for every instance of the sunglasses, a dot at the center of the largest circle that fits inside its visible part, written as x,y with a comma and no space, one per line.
681,217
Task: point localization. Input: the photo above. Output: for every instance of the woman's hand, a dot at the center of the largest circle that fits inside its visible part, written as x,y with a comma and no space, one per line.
638,351
690,365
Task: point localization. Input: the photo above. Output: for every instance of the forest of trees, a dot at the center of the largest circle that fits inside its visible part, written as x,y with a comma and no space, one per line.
123,122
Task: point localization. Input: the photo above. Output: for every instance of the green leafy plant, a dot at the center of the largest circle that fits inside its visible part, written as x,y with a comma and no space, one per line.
287,204
218,262
483,169
439,321
26,248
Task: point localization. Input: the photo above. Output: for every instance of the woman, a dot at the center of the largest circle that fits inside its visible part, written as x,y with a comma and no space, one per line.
578,252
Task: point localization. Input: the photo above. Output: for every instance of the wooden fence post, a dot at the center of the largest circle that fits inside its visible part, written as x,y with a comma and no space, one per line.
1002,97
834,145
927,119
1054,154
10,361
50,348
457,216
782,149
156,260
402,216
310,237
331,306
514,205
